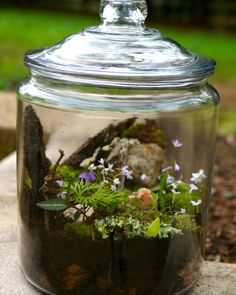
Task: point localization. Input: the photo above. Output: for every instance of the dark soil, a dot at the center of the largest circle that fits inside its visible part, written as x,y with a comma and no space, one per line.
104,267
221,238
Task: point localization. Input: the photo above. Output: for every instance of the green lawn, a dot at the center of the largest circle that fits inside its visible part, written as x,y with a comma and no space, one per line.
22,30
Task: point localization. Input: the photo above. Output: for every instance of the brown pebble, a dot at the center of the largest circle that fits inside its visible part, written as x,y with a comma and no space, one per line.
103,283
75,276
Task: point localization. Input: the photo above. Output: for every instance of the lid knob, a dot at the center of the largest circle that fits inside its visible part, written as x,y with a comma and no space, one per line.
120,12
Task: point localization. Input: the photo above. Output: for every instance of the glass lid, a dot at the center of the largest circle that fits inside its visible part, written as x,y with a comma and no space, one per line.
121,52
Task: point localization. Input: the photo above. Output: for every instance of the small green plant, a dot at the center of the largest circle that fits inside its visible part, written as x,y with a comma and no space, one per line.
96,203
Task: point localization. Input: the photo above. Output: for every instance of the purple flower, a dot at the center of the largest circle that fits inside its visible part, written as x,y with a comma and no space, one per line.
88,176
91,176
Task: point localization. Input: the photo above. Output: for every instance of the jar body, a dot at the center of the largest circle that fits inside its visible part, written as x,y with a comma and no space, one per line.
113,193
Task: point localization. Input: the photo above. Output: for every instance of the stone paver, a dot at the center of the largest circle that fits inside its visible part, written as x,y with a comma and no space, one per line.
216,278
7,110
7,122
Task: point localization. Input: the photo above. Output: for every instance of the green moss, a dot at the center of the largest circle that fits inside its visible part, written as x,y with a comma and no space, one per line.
145,133
68,173
184,222
78,229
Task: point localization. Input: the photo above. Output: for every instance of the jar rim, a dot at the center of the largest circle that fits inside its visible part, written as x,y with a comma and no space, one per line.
122,52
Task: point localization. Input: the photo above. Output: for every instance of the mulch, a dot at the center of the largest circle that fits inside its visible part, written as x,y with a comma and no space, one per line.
221,236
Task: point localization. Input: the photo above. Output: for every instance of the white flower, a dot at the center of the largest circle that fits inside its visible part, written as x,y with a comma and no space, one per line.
175,192
196,203
125,171
101,162
108,169
193,187
198,177
144,177
60,182
174,188
170,179
104,182
116,181
176,143
92,167
113,188
166,169
182,211
62,195
176,167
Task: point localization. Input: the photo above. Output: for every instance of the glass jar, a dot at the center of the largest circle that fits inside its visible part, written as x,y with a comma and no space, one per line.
116,131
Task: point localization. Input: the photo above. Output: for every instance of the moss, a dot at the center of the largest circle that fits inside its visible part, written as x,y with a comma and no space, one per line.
78,229
146,133
67,172
184,222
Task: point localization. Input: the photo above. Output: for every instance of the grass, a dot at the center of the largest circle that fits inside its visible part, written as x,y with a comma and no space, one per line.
22,30
227,122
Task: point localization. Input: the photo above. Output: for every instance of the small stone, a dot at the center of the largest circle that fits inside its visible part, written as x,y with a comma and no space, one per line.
75,276
142,198
145,195
103,283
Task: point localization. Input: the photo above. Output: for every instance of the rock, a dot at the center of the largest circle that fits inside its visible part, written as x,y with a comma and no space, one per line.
75,276
144,196
144,159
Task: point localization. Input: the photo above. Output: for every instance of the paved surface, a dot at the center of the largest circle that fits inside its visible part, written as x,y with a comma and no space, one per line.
7,122
216,278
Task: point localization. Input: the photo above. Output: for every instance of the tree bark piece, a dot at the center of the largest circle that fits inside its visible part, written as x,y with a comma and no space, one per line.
101,139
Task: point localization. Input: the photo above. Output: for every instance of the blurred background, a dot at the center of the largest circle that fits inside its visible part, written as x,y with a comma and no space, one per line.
207,27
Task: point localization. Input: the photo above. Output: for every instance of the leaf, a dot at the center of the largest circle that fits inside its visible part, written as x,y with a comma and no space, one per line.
163,179
153,229
53,205
77,215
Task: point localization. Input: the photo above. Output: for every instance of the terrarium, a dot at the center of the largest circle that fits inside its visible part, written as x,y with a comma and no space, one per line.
116,131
